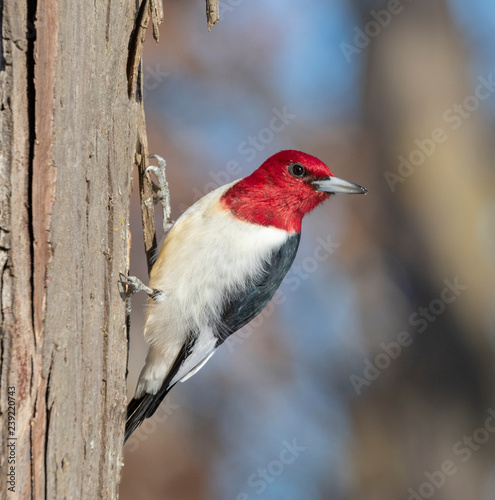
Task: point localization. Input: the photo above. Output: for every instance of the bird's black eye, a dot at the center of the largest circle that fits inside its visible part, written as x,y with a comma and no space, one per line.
297,170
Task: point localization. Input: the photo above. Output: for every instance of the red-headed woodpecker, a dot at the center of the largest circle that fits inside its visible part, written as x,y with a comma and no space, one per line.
220,264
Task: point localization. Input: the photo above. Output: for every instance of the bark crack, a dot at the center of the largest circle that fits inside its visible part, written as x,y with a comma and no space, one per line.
48,414
31,112
148,9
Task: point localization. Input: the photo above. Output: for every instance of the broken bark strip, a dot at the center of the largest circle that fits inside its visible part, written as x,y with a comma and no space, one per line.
156,17
212,13
136,46
146,195
147,9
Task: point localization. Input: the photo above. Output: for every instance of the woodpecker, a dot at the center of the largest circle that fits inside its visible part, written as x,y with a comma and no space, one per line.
220,264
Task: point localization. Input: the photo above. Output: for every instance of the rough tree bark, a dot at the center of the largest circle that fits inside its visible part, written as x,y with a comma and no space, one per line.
70,133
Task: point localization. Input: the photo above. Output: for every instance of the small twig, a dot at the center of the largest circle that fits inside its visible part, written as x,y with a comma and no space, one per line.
156,17
212,13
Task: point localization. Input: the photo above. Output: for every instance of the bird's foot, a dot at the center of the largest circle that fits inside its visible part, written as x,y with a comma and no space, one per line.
162,192
135,285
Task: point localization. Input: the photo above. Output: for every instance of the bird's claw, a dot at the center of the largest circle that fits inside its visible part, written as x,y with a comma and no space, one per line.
162,166
162,193
157,157
134,284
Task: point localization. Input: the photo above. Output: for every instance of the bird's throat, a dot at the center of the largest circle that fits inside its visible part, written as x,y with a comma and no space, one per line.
264,206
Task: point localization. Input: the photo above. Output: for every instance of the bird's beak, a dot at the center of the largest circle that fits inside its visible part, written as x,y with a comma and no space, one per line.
336,185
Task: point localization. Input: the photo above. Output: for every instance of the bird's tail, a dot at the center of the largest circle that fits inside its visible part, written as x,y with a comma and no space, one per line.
140,409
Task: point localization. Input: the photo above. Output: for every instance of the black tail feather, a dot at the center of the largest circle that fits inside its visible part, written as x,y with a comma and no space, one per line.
140,409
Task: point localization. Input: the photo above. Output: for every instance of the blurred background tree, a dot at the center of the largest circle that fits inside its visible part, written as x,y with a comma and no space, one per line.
397,96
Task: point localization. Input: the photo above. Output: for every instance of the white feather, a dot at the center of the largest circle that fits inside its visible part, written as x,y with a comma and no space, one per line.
207,254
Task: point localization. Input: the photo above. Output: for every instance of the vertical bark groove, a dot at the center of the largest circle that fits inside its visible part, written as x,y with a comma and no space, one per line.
31,8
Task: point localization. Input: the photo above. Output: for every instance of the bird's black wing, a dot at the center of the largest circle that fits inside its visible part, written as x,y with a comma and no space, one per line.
140,409
246,304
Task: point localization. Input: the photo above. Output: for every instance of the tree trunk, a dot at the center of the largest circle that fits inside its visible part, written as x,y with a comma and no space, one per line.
69,133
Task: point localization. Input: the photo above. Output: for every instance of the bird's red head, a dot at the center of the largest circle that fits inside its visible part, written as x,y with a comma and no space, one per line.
283,190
